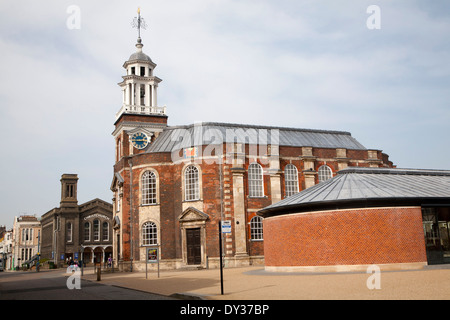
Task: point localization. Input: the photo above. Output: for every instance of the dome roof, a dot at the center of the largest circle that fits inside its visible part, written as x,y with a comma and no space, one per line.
356,185
140,56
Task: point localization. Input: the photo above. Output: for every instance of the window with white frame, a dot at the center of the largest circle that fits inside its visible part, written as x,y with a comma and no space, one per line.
290,180
191,184
149,234
256,228
255,180
325,173
149,188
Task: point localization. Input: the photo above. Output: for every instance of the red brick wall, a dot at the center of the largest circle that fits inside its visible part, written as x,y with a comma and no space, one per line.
171,196
345,237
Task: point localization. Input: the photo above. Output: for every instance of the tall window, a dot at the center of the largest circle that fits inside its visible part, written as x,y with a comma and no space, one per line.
96,230
191,183
290,180
256,228
105,231
87,231
149,234
149,188
69,232
255,180
325,173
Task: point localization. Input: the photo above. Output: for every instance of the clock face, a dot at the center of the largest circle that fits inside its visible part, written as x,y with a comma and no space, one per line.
139,140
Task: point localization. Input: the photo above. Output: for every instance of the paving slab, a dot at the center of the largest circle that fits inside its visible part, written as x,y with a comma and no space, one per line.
254,283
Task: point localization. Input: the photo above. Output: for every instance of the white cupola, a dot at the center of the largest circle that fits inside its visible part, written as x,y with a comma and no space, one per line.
139,85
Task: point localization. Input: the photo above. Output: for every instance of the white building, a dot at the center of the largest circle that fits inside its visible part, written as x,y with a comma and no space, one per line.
27,231
6,245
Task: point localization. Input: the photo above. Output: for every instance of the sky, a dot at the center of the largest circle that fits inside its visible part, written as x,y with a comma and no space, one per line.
381,73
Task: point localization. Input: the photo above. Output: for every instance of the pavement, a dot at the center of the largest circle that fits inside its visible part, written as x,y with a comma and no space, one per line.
254,283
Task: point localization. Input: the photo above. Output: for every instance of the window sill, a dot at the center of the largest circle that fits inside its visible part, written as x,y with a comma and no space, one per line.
194,200
149,205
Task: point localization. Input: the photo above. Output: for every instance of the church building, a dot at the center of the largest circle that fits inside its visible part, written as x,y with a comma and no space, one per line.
75,231
173,185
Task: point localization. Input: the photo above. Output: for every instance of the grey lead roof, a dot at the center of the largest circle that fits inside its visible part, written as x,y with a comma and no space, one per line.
139,56
175,138
372,183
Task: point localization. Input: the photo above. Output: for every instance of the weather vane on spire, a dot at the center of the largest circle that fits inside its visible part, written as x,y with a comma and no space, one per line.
139,23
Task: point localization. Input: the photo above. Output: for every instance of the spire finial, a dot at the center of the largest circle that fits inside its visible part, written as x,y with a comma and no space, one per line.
139,23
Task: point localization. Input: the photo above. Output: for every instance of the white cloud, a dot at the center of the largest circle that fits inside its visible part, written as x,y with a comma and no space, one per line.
290,63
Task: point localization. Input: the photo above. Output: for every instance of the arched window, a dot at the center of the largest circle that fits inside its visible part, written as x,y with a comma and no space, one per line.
255,180
149,234
256,228
290,180
105,231
325,173
191,184
149,188
87,231
96,230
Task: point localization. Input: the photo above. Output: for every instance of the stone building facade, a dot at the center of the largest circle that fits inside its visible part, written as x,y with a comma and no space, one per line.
25,242
78,232
172,185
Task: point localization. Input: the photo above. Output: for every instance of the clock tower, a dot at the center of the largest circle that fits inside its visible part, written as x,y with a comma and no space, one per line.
138,123
140,120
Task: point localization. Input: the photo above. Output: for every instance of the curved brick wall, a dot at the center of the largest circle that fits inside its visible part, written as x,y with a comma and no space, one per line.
345,237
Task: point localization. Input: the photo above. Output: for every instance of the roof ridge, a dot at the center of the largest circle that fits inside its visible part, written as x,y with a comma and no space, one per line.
396,171
253,126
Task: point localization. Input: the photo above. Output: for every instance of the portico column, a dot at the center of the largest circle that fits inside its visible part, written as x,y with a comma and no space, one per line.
239,212
138,94
133,94
147,96
154,104
128,94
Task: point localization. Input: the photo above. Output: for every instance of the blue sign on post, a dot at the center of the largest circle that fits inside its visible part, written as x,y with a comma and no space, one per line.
226,226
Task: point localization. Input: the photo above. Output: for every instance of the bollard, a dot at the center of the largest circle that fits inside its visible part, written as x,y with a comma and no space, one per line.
99,273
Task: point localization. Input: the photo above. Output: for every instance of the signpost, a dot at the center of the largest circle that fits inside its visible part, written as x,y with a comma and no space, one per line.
220,253
152,257
224,227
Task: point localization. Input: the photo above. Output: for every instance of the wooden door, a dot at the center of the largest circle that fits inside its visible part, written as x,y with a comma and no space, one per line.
193,245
